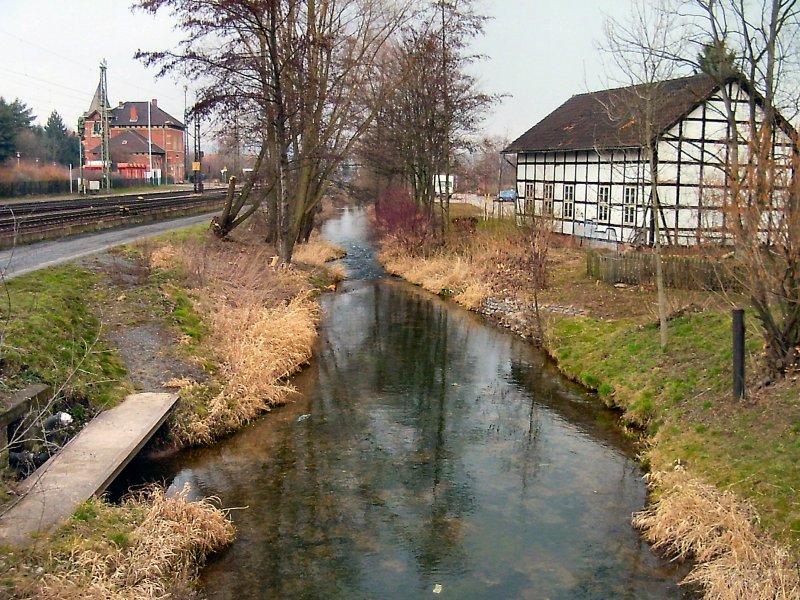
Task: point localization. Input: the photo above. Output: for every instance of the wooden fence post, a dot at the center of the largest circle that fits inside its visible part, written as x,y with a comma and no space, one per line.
738,353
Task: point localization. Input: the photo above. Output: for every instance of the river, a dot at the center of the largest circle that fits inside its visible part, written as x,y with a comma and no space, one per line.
428,454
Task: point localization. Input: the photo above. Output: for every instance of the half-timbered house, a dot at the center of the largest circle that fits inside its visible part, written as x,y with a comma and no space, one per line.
587,164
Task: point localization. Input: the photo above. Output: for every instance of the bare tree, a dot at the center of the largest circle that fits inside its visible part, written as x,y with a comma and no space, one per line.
305,76
641,50
751,50
485,170
436,108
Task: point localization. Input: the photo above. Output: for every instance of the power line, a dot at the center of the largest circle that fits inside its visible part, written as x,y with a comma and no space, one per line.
59,55
48,82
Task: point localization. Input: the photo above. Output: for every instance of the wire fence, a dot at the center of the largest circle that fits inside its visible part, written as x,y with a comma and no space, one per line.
683,272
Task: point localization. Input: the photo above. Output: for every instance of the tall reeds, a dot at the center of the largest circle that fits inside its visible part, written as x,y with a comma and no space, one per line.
693,520
156,558
261,323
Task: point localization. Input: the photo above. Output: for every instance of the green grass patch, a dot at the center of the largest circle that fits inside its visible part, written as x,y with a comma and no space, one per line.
681,397
188,320
51,335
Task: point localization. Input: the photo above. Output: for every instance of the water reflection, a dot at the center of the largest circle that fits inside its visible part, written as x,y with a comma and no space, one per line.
437,451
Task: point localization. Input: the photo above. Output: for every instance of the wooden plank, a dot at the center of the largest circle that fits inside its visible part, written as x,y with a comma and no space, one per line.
85,466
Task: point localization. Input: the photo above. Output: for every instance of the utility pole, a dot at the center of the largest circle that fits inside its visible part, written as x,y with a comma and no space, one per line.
81,130
185,135
105,150
445,200
149,145
197,167
166,152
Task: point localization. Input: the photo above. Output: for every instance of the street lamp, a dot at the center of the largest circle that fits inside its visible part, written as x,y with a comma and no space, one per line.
17,158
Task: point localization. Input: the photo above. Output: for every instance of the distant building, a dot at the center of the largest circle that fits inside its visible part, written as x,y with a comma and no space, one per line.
136,140
586,166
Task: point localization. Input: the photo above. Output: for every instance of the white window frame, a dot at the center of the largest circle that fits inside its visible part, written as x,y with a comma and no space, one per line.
97,128
548,195
629,206
569,200
530,189
604,204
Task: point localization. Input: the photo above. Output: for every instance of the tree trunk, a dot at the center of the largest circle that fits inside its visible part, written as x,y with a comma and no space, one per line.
662,298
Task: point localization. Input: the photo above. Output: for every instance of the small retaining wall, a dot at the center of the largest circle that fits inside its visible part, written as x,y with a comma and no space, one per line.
23,406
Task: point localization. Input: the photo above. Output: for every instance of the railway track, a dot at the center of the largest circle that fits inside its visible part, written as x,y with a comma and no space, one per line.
30,217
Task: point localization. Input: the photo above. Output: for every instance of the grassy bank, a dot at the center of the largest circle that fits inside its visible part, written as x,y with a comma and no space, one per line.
185,312
50,334
723,472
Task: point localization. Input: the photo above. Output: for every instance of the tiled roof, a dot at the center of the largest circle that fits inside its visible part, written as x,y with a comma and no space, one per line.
128,142
134,114
609,119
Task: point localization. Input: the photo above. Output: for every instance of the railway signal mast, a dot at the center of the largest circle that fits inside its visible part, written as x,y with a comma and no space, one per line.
197,165
105,132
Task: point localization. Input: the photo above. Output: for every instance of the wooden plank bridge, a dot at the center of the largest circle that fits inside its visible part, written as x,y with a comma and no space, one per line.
84,467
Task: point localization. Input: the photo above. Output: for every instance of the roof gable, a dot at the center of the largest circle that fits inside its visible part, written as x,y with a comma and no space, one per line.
129,142
98,101
134,114
609,119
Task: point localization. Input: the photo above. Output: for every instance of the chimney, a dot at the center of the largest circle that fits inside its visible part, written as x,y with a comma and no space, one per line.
134,113
154,102
121,103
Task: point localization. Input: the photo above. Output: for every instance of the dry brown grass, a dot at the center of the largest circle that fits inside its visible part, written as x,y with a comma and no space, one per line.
260,348
149,547
693,520
317,251
469,268
454,276
261,326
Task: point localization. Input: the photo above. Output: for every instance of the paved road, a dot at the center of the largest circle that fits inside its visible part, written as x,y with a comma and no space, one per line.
31,257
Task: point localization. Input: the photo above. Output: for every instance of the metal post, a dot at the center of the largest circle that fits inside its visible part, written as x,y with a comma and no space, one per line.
738,353
149,145
198,157
80,164
185,136
105,151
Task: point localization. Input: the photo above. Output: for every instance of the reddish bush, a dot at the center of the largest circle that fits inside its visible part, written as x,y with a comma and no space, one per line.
399,217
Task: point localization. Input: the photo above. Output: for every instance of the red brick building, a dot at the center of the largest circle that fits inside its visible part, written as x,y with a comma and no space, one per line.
136,139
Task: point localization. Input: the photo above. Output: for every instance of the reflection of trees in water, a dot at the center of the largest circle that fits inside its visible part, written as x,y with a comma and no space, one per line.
376,488
533,373
416,483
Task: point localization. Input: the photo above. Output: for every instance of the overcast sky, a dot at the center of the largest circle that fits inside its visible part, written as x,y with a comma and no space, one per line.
538,52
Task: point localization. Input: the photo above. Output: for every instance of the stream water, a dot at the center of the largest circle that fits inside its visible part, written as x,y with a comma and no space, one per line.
428,455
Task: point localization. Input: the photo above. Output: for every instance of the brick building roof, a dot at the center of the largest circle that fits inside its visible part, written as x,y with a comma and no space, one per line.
610,119
127,142
134,114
